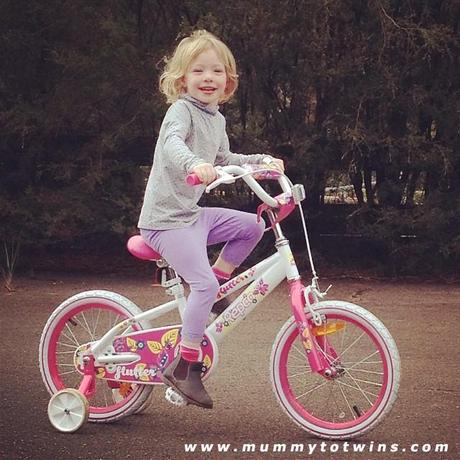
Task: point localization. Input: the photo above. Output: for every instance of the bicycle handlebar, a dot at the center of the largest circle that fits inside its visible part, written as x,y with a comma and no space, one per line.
229,174
193,179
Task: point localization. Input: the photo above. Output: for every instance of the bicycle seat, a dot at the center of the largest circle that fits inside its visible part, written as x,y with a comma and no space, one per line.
139,249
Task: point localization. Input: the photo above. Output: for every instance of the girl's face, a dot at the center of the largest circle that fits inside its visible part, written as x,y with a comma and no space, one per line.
206,78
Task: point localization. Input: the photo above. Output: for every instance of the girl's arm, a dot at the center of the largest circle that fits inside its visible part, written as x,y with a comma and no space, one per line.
225,157
177,124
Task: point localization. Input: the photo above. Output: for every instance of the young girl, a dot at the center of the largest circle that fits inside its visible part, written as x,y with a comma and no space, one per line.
192,139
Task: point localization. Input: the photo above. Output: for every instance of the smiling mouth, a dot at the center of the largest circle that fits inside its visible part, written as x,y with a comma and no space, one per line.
207,89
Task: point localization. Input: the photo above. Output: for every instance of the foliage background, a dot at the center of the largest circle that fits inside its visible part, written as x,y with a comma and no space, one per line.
362,90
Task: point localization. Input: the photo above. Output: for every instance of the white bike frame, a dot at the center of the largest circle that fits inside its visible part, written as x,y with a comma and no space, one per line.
262,279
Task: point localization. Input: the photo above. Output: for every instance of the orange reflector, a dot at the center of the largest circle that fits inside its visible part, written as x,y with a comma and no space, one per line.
328,328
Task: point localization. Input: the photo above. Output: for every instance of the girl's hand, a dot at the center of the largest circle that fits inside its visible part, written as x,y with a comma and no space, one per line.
274,163
205,172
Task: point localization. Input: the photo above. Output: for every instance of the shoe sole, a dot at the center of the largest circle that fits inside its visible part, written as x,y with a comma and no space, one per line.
171,384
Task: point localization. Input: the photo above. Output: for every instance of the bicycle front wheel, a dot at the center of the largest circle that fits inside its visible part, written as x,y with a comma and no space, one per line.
365,382
82,319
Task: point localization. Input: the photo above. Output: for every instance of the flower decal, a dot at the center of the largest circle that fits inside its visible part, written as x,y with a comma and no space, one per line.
261,288
119,345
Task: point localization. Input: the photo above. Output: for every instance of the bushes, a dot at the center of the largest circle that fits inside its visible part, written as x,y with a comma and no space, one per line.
422,240
369,89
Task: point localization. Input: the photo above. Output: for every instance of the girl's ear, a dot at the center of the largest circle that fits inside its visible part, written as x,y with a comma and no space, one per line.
230,86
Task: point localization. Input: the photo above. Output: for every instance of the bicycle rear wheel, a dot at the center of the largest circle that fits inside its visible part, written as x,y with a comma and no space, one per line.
364,385
79,320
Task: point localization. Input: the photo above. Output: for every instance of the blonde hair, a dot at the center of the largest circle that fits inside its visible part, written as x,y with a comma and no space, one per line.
171,80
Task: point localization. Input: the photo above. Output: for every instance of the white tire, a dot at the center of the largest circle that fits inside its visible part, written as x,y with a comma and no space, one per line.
84,318
366,381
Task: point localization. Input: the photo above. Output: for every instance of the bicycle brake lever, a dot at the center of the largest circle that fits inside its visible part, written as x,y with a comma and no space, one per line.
224,178
324,294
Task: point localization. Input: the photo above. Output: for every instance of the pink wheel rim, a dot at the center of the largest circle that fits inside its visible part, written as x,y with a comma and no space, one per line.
305,414
52,348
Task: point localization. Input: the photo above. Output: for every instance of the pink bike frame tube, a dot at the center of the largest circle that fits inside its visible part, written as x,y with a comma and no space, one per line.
316,361
88,384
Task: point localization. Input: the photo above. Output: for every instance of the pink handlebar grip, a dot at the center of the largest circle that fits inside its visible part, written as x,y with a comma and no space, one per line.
193,179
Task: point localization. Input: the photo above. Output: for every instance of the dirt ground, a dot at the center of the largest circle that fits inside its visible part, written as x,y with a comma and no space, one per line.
423,317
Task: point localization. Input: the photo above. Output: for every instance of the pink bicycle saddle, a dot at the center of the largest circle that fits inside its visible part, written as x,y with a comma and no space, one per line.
139,249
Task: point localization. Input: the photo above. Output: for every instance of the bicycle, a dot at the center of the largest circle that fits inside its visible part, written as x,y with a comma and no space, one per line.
334,367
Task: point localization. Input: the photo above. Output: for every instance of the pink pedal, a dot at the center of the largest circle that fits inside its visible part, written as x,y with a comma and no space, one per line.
139,249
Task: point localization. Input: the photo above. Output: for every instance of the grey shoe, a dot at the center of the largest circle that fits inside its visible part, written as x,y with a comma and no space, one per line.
185,377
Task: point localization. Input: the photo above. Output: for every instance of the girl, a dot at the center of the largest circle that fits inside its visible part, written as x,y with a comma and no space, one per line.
192,139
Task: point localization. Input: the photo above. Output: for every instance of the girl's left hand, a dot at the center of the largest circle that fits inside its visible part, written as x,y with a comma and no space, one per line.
275,163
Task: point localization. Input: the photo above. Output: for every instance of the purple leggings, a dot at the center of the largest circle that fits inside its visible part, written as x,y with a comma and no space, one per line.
186,251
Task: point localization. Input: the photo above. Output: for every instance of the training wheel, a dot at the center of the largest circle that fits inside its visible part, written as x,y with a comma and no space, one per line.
68,410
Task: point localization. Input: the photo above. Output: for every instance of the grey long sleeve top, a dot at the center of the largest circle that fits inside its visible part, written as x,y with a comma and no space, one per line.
191,134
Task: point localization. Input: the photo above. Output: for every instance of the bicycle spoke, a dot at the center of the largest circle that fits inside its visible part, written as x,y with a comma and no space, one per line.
367,371
329,399
343,341
116,321
67,345
67,372
328,357
105,398
301,353
310,391
88,329
353,343
305,365
72,334
300,373
77,322
364,360
347,402
364,392
369,382
339,410
96,322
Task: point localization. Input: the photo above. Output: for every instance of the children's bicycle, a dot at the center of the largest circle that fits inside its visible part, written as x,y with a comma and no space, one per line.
334,367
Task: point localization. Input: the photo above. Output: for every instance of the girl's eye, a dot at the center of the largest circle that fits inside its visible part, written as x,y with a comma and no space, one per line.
197,71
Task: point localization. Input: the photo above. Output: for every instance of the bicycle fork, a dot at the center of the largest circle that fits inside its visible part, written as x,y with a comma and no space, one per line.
301,297
317,347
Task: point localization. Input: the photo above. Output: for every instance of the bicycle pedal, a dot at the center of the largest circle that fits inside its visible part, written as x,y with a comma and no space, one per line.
175,398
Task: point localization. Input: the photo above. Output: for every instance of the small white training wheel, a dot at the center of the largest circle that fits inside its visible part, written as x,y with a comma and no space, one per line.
68,410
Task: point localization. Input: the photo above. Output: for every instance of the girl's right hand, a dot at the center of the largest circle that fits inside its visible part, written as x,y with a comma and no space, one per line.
205,172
